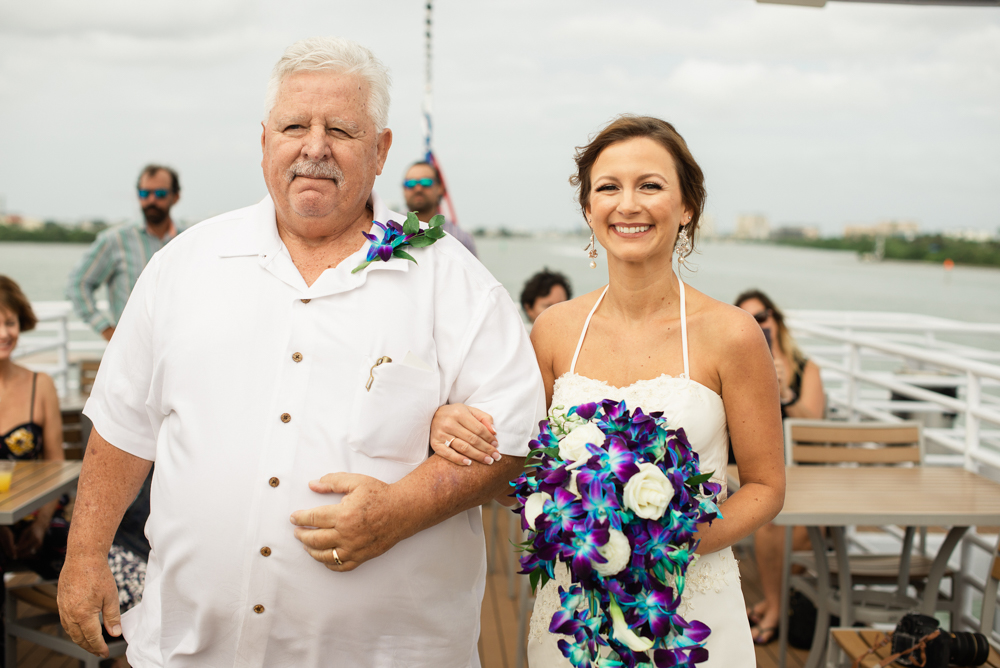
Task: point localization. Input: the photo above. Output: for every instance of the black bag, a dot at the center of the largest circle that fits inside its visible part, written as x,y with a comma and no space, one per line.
802,621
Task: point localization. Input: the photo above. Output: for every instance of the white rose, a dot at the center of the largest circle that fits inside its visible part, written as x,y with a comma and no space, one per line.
533,507
617,551
573,446
648,492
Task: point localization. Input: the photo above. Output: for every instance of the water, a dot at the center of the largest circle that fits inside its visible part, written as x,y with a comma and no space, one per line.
793,277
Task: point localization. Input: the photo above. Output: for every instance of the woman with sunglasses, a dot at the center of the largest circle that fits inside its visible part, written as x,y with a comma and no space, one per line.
798,377
802,396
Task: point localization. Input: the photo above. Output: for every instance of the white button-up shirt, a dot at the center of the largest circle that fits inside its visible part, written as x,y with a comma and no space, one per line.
243,384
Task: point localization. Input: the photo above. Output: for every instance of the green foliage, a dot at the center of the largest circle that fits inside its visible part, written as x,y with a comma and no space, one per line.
50,232
926,248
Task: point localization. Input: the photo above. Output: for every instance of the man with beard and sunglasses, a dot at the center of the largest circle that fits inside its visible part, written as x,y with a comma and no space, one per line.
118,256
282,365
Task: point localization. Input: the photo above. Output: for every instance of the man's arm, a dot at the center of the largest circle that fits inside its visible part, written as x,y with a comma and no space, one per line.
109,482
94,268
373,516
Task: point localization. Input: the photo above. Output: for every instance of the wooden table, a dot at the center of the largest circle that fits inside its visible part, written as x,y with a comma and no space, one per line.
838,497
34,484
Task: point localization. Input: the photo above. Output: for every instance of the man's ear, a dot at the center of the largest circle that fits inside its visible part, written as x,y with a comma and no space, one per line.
382,147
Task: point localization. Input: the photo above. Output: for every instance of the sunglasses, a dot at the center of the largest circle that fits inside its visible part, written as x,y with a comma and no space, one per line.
762,317
159,194
413,183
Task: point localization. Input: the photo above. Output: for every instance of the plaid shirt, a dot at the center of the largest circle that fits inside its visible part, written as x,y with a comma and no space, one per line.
116,257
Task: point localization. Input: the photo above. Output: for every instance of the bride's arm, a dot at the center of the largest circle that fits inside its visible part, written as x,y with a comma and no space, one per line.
750,395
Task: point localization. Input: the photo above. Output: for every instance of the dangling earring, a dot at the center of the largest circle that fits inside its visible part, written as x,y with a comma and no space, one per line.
683,245
592,248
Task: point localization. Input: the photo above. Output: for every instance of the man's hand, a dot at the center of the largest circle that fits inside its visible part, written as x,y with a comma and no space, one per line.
86,589
362,526
107,333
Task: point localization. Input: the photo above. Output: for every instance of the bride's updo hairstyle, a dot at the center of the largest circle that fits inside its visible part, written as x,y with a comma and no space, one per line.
626,127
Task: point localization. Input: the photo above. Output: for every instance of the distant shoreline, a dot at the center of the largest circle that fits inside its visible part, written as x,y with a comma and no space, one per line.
934,248
49,233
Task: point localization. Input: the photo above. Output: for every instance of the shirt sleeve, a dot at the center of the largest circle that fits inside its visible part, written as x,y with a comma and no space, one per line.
499,373
94,268
117,404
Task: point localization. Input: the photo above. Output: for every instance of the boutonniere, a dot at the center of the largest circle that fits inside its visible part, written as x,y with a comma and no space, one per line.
395,237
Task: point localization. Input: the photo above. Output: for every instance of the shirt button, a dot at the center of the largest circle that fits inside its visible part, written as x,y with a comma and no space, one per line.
258,608
266,551
285,417
305,301
296,357
273,482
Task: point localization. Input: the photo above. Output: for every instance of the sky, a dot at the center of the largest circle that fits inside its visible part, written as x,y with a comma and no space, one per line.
853,113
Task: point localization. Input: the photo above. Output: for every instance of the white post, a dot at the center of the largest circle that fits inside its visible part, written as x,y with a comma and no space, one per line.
62,385
973,397
853,366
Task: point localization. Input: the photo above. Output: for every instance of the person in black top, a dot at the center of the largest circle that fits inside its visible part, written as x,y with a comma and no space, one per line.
30,428
802,396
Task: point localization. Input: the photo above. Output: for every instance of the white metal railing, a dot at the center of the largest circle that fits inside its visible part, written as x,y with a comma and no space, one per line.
869,359
59,337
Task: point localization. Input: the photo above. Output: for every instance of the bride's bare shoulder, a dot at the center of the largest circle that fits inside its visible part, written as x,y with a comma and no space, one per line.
564,319
723,324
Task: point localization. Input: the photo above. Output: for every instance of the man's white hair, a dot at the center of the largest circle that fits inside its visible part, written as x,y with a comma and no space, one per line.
334,54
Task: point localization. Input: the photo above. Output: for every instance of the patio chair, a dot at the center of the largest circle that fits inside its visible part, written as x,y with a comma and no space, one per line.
43,629
849,645
821,442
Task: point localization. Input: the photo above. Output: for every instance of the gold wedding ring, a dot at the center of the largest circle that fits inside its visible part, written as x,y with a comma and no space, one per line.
336,558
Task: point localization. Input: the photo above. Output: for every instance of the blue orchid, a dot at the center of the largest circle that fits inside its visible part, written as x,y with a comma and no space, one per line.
395,237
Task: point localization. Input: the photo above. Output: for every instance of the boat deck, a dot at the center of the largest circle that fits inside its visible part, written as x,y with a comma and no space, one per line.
498,640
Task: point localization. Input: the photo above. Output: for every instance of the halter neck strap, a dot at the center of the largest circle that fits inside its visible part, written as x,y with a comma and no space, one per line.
586,324
684,330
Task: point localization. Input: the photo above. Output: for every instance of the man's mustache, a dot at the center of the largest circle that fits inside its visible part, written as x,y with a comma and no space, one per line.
314,169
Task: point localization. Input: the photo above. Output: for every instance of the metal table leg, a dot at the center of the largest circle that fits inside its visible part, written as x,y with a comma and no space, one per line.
823,596
786,579
938,567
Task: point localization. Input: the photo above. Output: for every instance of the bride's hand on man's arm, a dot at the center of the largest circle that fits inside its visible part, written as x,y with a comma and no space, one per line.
461,434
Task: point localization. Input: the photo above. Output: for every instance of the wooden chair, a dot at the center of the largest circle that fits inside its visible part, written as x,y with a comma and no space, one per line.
849,645
821,442
43,629
88,372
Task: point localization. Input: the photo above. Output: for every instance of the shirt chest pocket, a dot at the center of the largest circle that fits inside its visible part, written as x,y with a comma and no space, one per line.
393,408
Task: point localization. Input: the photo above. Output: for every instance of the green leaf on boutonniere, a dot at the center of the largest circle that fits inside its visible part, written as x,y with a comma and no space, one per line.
360,267
434,233
436,221
412,224
422,241
400,253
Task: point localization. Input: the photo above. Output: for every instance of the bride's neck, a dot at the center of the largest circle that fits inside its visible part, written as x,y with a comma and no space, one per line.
639,291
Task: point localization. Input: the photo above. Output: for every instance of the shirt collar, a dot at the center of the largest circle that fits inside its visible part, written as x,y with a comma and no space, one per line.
264,241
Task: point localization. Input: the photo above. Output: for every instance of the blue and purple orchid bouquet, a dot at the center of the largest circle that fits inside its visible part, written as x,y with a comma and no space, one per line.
617,497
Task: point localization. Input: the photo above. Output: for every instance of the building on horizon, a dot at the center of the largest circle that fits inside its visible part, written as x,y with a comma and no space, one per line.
795,232
971,234
908,229
752,226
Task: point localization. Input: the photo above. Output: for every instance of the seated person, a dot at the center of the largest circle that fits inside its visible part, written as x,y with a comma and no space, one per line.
542,291
801,396
30,428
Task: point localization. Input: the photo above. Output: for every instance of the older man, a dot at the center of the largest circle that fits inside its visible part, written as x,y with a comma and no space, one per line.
286,398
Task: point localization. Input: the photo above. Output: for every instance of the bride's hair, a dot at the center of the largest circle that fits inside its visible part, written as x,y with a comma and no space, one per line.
627,126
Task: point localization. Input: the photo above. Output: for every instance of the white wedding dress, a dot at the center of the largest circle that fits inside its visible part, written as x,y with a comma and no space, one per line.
712,592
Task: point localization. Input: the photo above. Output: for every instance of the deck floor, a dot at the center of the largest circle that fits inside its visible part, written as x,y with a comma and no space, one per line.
498,640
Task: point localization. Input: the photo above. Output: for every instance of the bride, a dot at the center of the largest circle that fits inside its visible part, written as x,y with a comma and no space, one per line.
651,341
